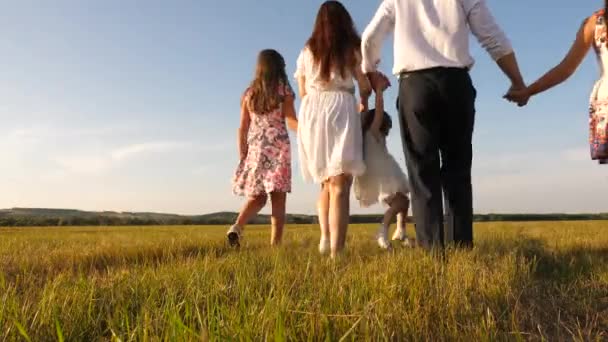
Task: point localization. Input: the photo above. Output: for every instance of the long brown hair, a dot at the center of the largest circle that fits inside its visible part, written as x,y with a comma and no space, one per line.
605,10
334,42
263,94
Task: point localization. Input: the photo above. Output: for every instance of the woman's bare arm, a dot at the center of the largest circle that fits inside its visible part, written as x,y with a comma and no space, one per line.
289,111
565,69
302,86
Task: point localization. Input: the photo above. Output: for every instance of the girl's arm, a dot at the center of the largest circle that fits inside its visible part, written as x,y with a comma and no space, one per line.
243,130
365,87
289,111
378,114
565,69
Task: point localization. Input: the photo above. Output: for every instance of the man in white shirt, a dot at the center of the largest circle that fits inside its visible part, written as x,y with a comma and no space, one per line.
437,102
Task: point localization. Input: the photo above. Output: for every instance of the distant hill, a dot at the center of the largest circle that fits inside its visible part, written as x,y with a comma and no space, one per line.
24,217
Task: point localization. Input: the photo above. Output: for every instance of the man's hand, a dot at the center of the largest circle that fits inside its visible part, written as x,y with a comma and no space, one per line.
518,94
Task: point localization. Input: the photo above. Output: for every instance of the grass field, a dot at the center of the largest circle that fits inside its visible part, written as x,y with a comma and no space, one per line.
523,281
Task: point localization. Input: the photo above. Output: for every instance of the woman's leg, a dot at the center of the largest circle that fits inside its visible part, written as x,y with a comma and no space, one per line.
323,211
251,208
278,200
339,211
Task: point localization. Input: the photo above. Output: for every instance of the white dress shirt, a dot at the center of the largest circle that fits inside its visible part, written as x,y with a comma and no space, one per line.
431,33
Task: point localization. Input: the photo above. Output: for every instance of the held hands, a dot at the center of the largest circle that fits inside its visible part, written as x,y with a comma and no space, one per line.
518,94
379,81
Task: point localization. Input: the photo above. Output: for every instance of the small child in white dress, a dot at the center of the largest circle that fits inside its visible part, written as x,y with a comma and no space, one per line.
383,181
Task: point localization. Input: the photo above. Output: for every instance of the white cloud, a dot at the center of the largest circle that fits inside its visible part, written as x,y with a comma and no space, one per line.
134,150
83,164
90,164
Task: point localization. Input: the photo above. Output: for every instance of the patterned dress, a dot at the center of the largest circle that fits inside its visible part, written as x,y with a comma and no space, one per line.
598,108
267,166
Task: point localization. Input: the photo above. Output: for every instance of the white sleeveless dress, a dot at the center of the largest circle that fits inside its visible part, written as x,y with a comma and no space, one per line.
383,177
598,108
329,125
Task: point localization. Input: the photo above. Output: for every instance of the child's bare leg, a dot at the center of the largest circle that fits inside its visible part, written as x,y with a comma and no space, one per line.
395,207
404,204
323,211
402,215
251,208
278,200
398,205
390,213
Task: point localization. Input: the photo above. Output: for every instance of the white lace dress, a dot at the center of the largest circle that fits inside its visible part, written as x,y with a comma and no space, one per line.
329,125
383,177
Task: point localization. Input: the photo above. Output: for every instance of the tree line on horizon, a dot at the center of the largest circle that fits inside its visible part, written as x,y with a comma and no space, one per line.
64,217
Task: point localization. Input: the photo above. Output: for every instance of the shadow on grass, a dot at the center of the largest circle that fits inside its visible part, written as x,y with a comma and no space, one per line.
558,265
564,299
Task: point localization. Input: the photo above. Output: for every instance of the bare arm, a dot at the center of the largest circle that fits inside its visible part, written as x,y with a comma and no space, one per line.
567,67
562,71
302,86
289,111
493,39
365,88
379,111
243,130
301,72
508,65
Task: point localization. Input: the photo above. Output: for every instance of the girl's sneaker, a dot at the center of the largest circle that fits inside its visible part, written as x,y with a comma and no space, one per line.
324,246
234,235
382,238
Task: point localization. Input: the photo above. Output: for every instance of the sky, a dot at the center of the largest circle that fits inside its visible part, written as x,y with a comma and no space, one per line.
133,105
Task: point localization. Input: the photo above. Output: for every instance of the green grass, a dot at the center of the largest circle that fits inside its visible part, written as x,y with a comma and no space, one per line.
523,281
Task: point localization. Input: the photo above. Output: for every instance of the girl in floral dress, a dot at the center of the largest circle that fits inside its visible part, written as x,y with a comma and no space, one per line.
593,33
264,149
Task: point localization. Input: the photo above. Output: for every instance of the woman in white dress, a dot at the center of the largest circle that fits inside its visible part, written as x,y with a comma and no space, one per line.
383,181
329,131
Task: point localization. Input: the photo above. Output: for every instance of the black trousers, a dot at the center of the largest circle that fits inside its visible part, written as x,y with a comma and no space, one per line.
437,115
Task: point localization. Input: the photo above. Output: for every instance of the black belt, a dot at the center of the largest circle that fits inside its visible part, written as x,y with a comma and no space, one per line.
433,70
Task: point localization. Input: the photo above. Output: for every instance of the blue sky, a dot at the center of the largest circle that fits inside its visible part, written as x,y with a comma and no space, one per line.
133,105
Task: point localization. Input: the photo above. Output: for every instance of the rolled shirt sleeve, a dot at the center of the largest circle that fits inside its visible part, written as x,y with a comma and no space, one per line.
374,35
486,30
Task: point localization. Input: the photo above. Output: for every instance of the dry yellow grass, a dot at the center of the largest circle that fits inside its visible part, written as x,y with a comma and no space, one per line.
523,281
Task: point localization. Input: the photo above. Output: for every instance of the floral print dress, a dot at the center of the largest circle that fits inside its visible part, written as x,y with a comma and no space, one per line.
267,166
598,109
